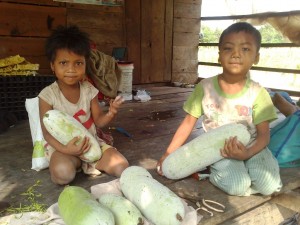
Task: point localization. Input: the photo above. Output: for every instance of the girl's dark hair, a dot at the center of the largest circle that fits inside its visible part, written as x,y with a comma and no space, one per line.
242,26
70,38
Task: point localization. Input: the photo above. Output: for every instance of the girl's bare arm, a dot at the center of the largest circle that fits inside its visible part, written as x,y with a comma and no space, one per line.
100,118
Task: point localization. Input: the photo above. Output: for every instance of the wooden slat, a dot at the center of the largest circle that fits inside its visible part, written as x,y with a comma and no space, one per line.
99,8
178,97
29,20
146,40
166,90
157,41
266,214
105,41
198,2
31,48
133,36
233,204
103,24
34,2
168,40
156,55
263,45
257,15
104,21
291,93
296,71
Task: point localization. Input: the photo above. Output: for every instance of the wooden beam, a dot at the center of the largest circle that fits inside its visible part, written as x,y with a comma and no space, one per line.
270,69
257,15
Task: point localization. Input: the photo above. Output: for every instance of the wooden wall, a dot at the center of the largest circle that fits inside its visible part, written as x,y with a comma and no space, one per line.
149,25
161,35
25,25
162,38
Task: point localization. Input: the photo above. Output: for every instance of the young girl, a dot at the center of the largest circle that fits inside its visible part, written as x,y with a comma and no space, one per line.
233,97
68,50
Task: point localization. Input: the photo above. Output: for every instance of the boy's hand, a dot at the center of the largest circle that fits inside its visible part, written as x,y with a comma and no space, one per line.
115,104
159,164
78,149
234,149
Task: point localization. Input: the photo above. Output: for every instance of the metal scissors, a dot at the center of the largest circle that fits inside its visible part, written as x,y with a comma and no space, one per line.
207,206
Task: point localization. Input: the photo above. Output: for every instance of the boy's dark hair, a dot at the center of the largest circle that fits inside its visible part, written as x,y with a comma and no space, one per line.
242,26
70,38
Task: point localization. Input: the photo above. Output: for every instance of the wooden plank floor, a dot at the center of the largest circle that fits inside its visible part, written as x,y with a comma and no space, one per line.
152,125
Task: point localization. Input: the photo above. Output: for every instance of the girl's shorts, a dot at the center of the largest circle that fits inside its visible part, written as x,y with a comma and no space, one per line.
88,168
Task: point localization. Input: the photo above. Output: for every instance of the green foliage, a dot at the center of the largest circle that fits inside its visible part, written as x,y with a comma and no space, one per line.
210,35
270,35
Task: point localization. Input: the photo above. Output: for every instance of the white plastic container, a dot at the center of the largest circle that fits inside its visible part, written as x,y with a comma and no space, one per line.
125,87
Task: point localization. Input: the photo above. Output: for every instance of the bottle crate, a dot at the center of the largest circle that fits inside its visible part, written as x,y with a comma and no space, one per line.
15,89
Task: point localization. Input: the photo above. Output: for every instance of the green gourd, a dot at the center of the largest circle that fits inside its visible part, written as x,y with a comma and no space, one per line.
202,151
64,128
125,212
77,206
156,202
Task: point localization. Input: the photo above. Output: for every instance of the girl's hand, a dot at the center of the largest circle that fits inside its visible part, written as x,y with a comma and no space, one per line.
234,149
115,104
73,148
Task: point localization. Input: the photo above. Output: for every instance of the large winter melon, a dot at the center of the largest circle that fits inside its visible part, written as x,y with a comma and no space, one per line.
78,207
124,211
64,128
155,201
202,151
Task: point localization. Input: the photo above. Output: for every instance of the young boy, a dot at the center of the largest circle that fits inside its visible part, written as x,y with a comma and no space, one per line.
233,97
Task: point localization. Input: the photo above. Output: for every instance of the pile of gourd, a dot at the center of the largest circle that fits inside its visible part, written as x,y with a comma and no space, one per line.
144,197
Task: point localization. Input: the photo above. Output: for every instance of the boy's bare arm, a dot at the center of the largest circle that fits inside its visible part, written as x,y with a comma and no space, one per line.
235,150
183,132
262,138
